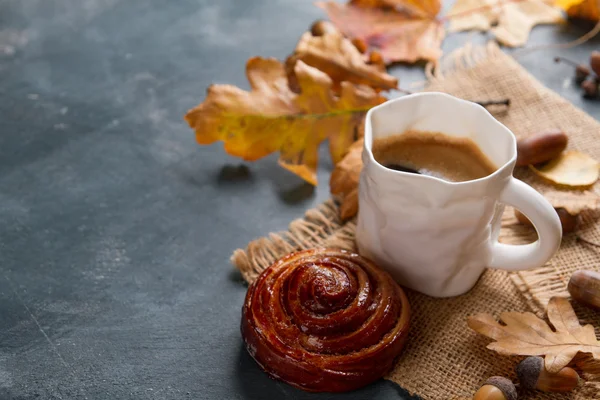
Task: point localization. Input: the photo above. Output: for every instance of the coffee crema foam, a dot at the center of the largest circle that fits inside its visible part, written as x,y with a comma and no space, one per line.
454,159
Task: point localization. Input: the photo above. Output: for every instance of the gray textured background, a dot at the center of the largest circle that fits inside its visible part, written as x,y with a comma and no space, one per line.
115,227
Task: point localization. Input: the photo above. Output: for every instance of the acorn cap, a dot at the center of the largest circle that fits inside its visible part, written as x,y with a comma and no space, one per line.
529,370
505,385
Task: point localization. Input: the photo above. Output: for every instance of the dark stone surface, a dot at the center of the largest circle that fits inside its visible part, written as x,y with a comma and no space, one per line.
115,227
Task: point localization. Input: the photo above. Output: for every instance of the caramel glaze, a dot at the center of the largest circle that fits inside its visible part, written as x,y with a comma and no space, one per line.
325,320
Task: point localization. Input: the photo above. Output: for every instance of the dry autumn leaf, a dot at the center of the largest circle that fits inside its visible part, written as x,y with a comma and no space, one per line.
525,334
509,21
585,9
574,202
272,118
571,168
335,55
401,30
344,180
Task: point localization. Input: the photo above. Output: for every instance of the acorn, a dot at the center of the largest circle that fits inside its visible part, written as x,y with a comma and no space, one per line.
496,388
595,62
321,27
533,375
584,287
590,88
581,70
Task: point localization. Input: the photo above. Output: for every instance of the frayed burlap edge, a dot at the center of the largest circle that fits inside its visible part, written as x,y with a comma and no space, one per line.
320,227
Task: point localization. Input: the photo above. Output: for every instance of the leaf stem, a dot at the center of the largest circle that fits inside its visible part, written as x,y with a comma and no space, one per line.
581,40
331,114
337,113
566,60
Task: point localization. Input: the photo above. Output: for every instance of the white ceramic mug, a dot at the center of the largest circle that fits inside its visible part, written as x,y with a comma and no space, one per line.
435,236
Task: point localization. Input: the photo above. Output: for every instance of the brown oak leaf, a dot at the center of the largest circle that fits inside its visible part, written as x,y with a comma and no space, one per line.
272,118
343,182
575,202
509,21
525,334
401,30
335,55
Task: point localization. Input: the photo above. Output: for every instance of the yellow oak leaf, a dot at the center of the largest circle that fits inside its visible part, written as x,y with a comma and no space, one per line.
571,168
335,55
272,118
525,334
401,30
566,4
509,21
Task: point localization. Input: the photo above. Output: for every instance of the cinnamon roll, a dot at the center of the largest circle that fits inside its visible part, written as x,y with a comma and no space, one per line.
325,320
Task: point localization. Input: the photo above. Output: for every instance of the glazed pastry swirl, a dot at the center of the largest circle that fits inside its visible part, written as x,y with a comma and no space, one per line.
325,320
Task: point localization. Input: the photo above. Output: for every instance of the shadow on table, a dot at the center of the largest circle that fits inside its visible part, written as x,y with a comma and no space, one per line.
234,173
290,188
297,194
253,384
236,276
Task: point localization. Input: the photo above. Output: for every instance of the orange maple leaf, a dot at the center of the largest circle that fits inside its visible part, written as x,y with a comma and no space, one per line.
272,118
401,30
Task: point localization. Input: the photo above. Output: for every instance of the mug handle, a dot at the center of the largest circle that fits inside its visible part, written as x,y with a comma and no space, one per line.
545,220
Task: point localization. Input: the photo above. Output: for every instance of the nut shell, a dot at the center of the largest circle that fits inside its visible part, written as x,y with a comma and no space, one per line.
584,287
541,147
595,62
569,222
489,392
590,88
564,380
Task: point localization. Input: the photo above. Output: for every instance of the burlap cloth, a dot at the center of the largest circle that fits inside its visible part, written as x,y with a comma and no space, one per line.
443,358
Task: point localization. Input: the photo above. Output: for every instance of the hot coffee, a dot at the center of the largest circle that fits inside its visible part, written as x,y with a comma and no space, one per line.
435,154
